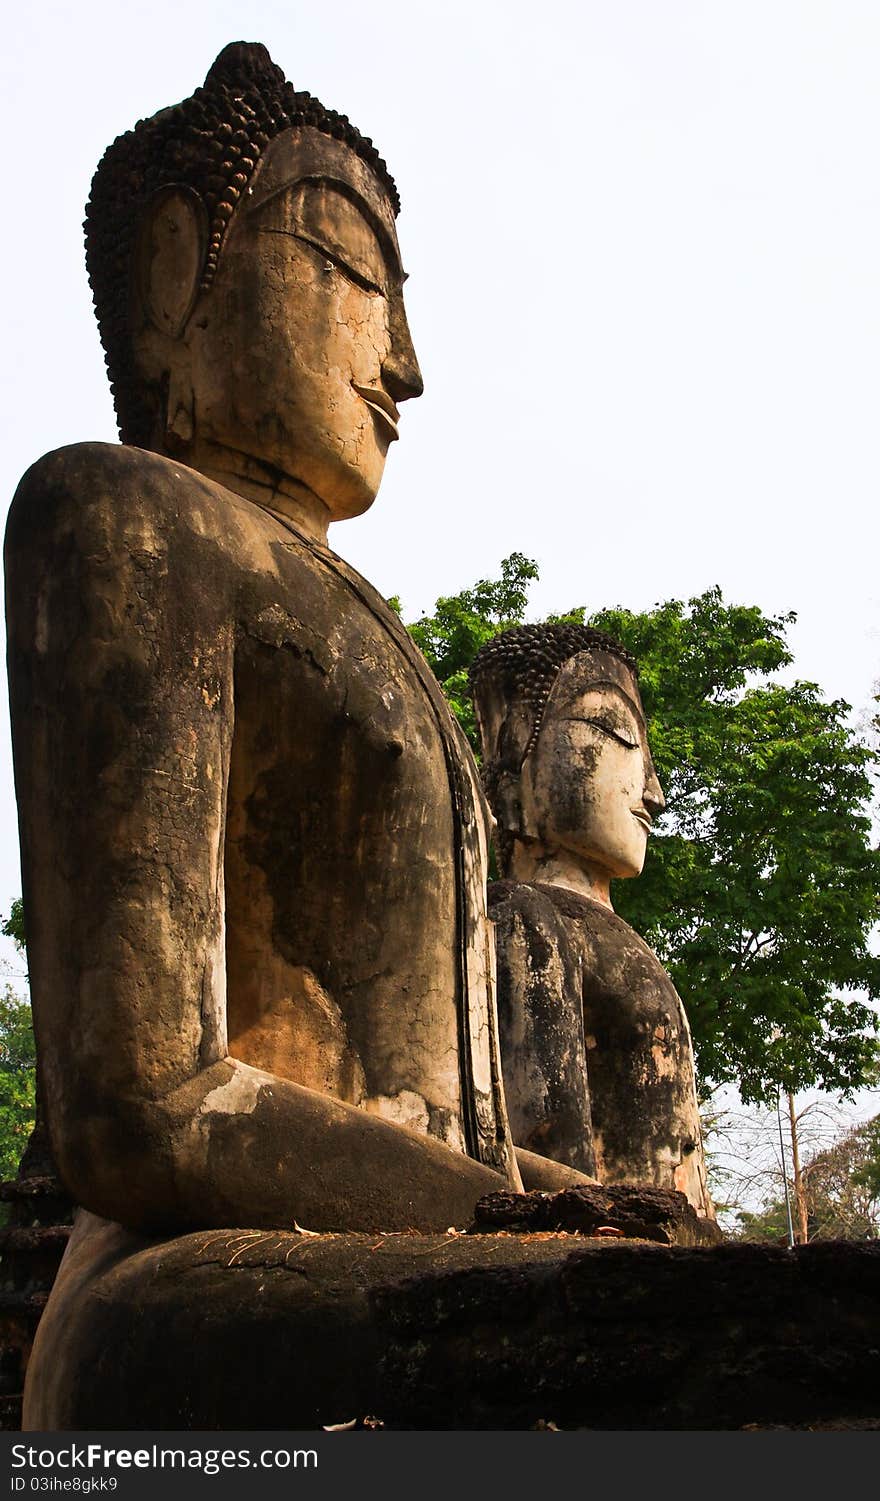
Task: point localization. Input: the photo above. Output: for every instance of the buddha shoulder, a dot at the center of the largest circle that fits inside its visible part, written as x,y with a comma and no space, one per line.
115,507
106,485
554,914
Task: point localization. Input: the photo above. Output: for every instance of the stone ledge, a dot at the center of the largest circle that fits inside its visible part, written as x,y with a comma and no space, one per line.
22,1301
34,1187
248,1329
615,1209
33,1238
10,1414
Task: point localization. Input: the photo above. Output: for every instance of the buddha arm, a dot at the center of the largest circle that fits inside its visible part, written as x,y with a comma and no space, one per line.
542,1039
121,639
545,1174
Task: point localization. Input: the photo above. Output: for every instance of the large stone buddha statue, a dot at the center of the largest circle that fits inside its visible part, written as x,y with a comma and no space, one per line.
595,1046
253,837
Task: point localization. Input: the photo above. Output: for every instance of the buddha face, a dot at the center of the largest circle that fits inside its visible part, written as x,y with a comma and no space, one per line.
589,787
300,353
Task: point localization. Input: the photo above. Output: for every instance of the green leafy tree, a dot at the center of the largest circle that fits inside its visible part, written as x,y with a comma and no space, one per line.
17,1060
761,886
462,623
17,1080
866,1174
13,926
769,1224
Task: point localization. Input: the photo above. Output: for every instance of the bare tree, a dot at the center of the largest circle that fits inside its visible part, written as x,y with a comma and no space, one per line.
838,1196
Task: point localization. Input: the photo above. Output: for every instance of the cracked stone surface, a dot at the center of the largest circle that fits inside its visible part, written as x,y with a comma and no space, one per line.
299,1331
254,841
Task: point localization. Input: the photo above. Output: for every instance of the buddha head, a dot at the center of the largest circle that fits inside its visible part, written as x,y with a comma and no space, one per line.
248,284
566,762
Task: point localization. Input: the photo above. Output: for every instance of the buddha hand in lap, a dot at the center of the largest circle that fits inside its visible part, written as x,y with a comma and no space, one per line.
595,1045
253,837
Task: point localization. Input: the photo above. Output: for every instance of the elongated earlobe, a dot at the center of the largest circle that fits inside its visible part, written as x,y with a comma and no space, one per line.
179,412
505,796
171,254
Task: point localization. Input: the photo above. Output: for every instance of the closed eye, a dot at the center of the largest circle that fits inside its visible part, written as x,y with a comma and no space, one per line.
614,731
333,256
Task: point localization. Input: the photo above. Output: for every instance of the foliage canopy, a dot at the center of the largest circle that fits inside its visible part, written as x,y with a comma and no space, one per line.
462,623
17,1060
13,926
17,1080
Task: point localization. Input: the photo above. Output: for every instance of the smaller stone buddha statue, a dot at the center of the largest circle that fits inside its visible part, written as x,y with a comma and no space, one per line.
595,1045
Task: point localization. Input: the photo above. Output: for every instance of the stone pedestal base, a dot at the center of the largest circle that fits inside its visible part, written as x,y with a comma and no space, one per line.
244,1329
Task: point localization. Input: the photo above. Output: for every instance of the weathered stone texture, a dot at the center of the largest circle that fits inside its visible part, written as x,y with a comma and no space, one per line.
632,1212
595,1044
475,1331
232,764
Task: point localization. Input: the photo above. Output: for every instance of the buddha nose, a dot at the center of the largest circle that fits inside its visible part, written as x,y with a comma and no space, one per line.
401,375
652,797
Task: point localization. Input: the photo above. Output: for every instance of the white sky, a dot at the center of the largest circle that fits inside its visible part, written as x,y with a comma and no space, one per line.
643,240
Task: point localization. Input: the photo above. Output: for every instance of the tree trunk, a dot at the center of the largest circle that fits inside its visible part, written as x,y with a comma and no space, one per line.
800,1196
